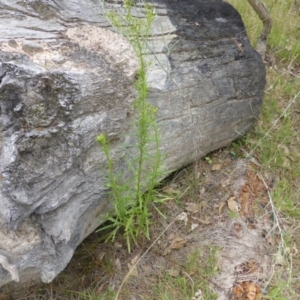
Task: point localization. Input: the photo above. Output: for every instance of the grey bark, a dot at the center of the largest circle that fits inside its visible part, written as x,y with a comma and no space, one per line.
67,76
265,17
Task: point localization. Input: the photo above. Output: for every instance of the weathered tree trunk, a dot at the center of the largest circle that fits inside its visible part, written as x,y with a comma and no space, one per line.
67,76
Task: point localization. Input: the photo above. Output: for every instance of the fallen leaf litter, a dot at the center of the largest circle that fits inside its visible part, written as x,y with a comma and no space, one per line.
244,239
244,255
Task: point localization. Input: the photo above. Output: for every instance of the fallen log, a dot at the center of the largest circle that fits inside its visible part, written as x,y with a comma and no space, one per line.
66,75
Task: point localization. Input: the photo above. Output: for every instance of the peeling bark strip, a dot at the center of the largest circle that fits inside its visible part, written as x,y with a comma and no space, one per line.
67,76
10,268
265,17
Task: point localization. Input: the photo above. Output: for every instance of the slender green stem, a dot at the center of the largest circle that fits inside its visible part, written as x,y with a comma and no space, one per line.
146,168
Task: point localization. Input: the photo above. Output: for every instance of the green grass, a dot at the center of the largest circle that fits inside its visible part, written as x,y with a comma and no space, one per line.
275,140
200,267
130,200
284,41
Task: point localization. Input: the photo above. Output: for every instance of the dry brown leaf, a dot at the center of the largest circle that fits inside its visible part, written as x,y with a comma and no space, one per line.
265,263
170,190
221,205
183,217
99,290
118,245
225,182
246,290
135,259
251,267
232,205
207,220
132,266
172,236
133,270
202,191
237,291
118,264
271,240
166,251
250,291
216,167
237,227
195,207
279,259
250,264
177,243
192,207
294,251
203,204
147,268
198,295
174,272
285,149
194,226
286,163
100,256
254,161
258,295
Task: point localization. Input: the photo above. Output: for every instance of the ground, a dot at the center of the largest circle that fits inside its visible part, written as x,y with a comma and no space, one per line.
215,233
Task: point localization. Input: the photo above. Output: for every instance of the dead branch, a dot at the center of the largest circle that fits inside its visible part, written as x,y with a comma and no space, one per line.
265,17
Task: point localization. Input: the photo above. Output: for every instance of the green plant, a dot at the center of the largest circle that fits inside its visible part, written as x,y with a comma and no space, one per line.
90,294
277,293
284,39
131,201
194,276
275,140
208,159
